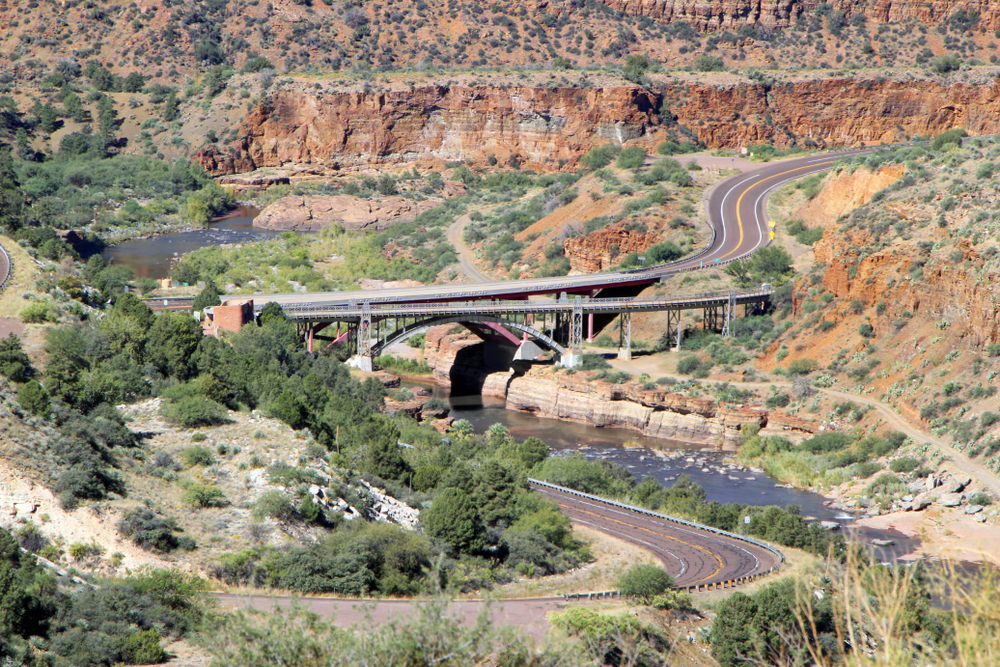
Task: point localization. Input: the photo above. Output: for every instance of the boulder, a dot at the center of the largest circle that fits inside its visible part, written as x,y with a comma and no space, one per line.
950,499
973,509
311,213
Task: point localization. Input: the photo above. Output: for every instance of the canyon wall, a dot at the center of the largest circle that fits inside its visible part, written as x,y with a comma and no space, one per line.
711,15
549,129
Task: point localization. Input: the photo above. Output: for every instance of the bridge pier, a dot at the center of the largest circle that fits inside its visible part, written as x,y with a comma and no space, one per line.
625,337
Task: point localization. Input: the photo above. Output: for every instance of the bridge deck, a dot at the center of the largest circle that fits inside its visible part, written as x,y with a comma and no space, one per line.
354,311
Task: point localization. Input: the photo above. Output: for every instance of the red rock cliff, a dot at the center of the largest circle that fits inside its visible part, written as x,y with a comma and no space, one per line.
710,15
549,129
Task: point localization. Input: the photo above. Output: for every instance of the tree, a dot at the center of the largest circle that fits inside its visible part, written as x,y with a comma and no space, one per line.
288,409
272,312
644,581
635,67
207,297
11,196
171,108
173,340
732,631
452,518
33,398
74,107
47,119
133,83
14,362
381,438
107,120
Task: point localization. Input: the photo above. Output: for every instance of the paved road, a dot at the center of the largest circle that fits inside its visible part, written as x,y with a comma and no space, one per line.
735,211
4,267
692,556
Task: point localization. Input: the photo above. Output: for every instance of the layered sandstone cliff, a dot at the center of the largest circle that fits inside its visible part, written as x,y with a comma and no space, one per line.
603,248
549,129
314,212
539,127
711,15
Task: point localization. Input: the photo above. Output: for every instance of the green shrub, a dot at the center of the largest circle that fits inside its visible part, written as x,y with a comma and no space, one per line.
38,312
644,581
802,366
981,499
143,648
152,532
904,464
275,505
33,398
687,365
593,362
779,400
949,137
632,157
197,456
707,63
599,157
202,495
194,411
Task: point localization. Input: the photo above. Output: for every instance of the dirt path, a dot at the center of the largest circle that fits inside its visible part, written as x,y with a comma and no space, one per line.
466,258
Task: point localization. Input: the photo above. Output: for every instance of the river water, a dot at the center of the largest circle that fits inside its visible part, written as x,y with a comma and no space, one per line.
153,257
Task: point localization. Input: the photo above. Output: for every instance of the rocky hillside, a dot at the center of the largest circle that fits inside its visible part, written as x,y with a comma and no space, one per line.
900,300
171,41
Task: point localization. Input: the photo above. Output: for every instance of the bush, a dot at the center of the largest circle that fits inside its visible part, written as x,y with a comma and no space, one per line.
153,532
644,582
688,364
275,505
981,499
197,456
143,648
802,366
632,157
202,495
33,398
194,411
780,400
593,362
600,157
707,63
38,312
950,137
904,464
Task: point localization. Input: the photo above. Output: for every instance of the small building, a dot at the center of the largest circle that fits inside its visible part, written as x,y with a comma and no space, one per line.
231,315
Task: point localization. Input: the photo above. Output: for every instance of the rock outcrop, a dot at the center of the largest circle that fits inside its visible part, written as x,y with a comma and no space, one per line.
602,249
711,15
550,129
314,212
655,413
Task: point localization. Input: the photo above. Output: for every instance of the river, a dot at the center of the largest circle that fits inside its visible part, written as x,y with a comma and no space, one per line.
153,257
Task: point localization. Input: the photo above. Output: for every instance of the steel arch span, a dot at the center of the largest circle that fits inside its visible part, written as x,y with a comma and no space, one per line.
405,332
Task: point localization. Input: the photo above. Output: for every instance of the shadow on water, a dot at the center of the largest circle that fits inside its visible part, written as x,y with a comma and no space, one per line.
153,257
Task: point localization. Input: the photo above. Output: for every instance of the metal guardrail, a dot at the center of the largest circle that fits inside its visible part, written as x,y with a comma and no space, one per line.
10,267
728,583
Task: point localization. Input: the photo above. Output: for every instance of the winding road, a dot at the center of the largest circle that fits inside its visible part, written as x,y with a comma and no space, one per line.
735,210
692,556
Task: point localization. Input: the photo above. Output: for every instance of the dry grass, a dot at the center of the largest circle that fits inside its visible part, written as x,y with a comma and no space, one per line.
22,280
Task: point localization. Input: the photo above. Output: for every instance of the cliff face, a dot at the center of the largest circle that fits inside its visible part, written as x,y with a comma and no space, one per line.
540,127
550,129
601,249
710,15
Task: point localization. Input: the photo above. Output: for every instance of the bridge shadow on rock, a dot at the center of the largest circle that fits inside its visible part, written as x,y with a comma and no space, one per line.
474,364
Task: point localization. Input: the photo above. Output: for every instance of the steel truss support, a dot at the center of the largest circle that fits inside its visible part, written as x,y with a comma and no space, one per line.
712,318
673,331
